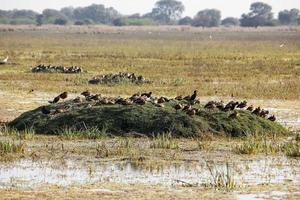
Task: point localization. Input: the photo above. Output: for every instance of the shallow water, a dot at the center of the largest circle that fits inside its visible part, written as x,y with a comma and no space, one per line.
30,174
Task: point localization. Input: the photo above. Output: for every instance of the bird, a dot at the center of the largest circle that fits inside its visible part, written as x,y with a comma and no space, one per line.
210,105
264,113
55,100
4,61
282,45
45,110
147,94
242,105
250,108
257,111
161,100
63,95
86,93
272,118
234,115
179,98
191,112
194,96
187,107
178,107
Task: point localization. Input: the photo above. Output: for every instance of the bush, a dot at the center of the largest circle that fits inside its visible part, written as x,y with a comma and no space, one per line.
119,22
60,21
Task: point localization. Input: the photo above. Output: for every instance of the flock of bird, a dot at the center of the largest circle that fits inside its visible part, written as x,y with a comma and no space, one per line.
184,104
56,69
119,77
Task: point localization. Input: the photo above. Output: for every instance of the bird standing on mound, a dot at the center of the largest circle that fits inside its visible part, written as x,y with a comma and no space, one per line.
234,115
86,93
45,110
194,96
178,107
63,95
55,100
2,62
272,118
147,94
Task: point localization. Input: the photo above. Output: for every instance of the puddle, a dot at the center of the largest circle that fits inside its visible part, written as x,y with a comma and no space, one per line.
29,174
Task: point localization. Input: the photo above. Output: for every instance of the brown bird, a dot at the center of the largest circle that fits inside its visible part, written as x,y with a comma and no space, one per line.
161,100
256,111
234,115
63,95
264,113
86,93
45,110
147,94
272,118
179,98
210,105
191,112
250,108
178,107
242,105
55,100
187,107
194,96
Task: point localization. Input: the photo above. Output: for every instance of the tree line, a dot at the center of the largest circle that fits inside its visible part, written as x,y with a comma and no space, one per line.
165,12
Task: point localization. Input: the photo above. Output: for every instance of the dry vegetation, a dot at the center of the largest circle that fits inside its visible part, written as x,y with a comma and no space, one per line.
246,64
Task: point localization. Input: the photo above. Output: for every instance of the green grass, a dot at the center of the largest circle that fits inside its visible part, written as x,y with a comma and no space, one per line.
91,133
11,147
292,149
147,119
164,141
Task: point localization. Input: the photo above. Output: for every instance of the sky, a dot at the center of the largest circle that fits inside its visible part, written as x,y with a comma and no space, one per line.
232,8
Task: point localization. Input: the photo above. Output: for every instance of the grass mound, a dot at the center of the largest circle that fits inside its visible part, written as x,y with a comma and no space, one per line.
143,119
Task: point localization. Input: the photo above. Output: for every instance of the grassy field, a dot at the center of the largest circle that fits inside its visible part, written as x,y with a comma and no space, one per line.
243,63
262,65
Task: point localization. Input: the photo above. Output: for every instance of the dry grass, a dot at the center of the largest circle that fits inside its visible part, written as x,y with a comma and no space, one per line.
245,63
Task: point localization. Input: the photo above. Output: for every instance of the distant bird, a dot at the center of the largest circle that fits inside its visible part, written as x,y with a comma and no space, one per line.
187,107
178,107
86,93
161,100
264,113
2,62
63,95
187,98
210,37
234,115
210,105
250,108
272,118
191,112
31,91
147,94
55,100
194,96
282,45
242,105
179,98
257,111
45,110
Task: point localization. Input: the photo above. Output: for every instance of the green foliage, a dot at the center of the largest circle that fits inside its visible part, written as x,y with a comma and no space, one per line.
147,119
139,22
164,141
291,149
207,18
10,147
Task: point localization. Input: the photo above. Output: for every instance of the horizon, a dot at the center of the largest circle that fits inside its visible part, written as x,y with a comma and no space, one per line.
126,7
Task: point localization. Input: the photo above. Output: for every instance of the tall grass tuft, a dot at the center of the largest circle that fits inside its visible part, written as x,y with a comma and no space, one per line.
10,147
91,133
164,141
291,149
221,179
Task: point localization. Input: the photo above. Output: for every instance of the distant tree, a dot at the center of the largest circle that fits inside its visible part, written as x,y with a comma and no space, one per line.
68,12
39,20
207,18
230,21
119,22
60,21
260,15
78,23
289,16
185,21
134,16
167,11
23,14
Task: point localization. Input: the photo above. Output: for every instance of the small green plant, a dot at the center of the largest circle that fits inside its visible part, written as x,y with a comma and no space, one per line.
91,133
291,149
10,147
221,178
164,141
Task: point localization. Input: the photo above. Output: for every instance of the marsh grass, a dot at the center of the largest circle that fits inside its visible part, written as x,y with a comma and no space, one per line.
221,179
164,141
90,133
291,149
11,147
26,134
253,145
123,147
